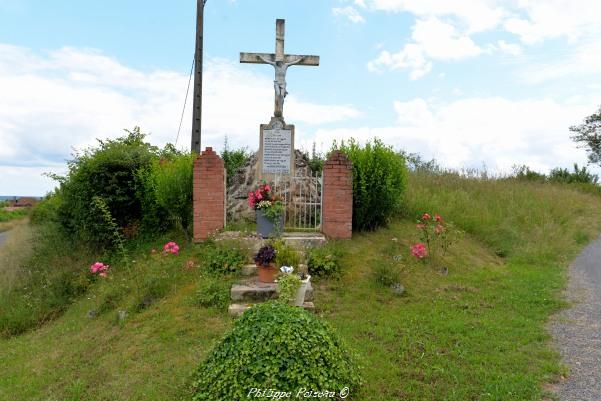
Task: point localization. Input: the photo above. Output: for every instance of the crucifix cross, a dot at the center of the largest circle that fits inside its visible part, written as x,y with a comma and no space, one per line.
280,61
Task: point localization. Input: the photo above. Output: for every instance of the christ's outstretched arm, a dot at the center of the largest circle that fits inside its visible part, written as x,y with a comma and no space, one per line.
267,61
294,62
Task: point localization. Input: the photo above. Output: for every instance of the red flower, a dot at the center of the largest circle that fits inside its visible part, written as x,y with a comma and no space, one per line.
419,251
426,217
438,218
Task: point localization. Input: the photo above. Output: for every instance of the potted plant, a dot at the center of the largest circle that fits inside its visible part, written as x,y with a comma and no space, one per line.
292,287
265,260
268,209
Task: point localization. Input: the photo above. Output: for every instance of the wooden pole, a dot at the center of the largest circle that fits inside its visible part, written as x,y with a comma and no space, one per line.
197,107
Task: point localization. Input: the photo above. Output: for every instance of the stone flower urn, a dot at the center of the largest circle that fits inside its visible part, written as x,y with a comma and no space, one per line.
267,228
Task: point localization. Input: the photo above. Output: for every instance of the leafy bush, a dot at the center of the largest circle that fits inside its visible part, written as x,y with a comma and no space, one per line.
108,172
233,160
275,346
379,182
288,285
223,258
212,292
579,175
47,210
324,261
168,182
286,254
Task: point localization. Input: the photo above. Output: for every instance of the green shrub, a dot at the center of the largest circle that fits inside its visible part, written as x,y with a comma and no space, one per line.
223,258
379,182
324,261
168,181
286,254
233,160
212,292
108,172
275,346
47,210
288,285
578,176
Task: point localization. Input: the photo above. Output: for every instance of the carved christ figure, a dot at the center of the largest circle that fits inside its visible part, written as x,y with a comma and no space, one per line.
280,82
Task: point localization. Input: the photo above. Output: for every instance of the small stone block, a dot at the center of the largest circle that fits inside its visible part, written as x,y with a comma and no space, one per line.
249,270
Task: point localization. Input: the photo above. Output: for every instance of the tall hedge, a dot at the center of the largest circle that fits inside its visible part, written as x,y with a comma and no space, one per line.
109,172
379,181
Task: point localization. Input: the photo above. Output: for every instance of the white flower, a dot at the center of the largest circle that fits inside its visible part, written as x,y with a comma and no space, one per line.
287,269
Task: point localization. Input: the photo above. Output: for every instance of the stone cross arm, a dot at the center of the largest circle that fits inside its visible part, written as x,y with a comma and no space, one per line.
257,58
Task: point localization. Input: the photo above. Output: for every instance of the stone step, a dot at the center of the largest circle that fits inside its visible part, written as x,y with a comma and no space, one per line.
304,240
239,309
252,290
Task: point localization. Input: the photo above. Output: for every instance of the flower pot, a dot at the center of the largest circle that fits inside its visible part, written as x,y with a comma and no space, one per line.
302,290
267,274
267,228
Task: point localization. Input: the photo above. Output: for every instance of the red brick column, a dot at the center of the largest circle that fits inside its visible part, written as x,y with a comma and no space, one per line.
337,209
208,194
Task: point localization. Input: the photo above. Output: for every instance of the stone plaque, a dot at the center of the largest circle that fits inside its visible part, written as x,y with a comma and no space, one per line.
277,151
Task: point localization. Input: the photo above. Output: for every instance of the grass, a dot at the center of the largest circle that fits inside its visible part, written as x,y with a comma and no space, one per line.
8,220
477,333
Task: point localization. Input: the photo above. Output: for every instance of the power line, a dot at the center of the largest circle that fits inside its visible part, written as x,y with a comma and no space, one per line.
185,102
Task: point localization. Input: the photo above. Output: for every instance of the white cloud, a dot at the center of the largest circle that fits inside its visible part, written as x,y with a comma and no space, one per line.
349,12
554,19
582,61
67,98
512,49
474,15
472,132
432,40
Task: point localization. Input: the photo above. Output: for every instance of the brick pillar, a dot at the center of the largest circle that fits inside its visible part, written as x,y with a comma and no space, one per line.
337,210
208,194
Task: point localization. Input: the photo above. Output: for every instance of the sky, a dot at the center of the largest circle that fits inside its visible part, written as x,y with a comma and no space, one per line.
472,83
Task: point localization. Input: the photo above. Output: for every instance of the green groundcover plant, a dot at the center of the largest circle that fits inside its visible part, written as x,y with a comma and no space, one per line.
279,348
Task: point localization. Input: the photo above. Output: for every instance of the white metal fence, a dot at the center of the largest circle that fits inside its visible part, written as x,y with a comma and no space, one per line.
302,199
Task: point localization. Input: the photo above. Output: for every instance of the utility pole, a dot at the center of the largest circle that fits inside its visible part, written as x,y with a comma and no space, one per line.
197,107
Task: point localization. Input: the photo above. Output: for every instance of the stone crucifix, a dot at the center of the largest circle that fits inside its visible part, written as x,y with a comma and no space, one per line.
280,62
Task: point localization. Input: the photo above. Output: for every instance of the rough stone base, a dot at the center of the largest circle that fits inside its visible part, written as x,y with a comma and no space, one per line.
239,309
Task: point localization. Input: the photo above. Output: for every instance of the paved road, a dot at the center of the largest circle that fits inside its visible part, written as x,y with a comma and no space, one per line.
3,237
577,331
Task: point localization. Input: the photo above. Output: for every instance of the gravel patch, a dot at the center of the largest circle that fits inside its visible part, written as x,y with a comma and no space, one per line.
577,331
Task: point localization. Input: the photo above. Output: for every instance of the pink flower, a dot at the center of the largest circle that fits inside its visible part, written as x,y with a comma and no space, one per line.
426,217
99,268
419,251
171,247
267,188
438,229
104,274
420,226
